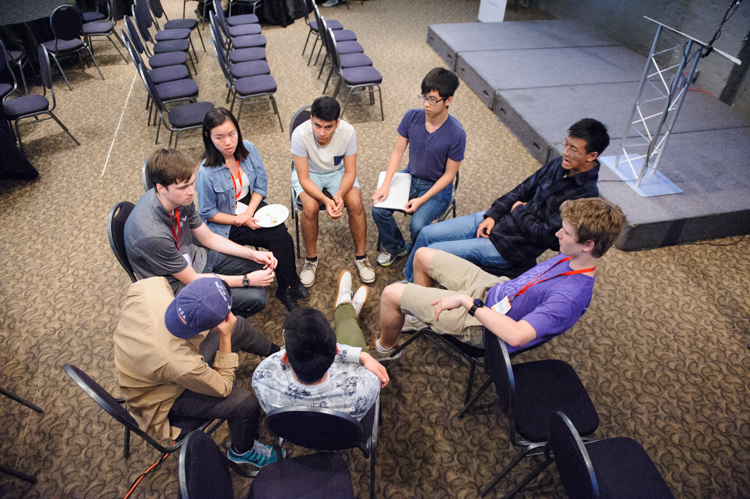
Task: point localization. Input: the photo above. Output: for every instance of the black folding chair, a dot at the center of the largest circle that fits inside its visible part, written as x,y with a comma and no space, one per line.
88,14
346,37
234,56
7,469
158,12
612,468
67,24
530,393
114,408
364,79
244,3
147,185
104,27
143,22
161,60
242,36
352,59
314,27
6,88
116,233
32,105
18,57
324,430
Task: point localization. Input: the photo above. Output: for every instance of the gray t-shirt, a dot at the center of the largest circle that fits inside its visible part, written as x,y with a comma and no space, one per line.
151,240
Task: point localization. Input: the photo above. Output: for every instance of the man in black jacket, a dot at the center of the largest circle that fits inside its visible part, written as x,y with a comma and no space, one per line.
521,225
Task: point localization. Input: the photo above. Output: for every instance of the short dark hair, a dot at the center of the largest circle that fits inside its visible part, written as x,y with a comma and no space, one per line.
593,132
443,81
594,219
216,117
310,343
326,109
168,166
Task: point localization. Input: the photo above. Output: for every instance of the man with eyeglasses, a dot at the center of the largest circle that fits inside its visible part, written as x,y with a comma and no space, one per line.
436,142
521,225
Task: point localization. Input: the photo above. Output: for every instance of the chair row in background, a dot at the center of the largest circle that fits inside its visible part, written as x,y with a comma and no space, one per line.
347,56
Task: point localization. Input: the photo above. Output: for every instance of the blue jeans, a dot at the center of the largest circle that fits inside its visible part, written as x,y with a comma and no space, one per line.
245,301
390,235
457,236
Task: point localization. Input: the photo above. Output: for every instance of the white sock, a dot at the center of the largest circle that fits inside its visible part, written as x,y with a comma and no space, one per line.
380,347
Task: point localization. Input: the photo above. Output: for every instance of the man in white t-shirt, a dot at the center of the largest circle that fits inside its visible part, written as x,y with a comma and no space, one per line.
325,173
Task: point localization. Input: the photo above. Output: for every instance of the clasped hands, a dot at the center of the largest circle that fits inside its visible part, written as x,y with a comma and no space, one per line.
335,206
264,277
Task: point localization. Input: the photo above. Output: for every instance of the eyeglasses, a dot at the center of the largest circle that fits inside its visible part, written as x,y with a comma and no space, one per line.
568,145
432,100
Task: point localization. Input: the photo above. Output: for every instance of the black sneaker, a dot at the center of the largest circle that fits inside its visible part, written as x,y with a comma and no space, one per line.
288,299
300,291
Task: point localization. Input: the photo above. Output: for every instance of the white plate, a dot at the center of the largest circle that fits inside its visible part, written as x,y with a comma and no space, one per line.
272,215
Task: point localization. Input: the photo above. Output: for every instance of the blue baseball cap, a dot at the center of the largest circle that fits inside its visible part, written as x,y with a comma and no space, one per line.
201,305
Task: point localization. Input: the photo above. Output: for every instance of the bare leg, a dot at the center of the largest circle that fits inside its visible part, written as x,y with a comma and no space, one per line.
310,211
357,219
422,260
391,318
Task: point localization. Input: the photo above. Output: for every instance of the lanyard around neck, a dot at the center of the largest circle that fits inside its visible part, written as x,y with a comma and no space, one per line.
539,279
237,192
178,234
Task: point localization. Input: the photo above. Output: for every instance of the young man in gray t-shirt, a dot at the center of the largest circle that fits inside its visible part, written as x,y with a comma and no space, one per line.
325,158
160,233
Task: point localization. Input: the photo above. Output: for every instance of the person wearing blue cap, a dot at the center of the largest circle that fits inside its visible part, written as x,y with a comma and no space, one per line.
176,360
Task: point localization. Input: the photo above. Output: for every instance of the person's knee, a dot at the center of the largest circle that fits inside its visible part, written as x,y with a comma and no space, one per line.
423,257
353,201
392,295
248,301
381,214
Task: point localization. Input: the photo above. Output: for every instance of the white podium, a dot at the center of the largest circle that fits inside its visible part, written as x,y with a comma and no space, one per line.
491,11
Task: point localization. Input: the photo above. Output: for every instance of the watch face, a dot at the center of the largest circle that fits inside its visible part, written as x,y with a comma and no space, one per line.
478,302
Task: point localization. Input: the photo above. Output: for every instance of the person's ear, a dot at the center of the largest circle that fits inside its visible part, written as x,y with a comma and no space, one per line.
589,245
449,101
337,349
284,357
592,156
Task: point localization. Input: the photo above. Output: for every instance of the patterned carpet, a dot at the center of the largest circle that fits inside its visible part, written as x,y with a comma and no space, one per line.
662,350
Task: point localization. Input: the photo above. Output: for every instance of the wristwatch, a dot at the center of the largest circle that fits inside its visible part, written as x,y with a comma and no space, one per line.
246,281
477,304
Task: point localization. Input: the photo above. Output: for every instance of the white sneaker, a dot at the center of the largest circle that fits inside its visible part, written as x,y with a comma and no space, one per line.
411,323
345,289
386,259
360,298
366,272
307,276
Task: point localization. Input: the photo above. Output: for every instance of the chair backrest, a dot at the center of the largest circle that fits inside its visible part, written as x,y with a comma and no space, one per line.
134,36
129,46
147,185
5,63
497,362
156,8
142,20
303,114
222,21
66,23
116,234
573,461
46,73
216,32
203,469
315,428
220,54
151,88
333,49
83,6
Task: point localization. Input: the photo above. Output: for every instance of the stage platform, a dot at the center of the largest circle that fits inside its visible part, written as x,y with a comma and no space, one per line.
539,77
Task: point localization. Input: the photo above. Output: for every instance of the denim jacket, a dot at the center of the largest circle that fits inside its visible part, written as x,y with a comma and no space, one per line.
216,192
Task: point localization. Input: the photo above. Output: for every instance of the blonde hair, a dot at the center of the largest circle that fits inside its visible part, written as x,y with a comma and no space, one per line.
596,220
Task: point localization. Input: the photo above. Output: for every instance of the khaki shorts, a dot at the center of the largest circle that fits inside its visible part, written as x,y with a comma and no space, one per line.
458,276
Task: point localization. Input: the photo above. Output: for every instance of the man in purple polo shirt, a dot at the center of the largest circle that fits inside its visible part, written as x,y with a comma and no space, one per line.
544,302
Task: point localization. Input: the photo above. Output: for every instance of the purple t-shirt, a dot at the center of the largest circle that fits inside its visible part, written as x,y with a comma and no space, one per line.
552,306
428,152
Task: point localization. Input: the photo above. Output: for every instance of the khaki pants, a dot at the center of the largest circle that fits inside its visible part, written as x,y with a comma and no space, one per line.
458,276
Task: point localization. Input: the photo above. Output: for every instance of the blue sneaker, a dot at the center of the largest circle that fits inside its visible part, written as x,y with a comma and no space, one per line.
259,455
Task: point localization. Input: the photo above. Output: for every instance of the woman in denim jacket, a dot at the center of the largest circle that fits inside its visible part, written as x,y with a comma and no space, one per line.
232,171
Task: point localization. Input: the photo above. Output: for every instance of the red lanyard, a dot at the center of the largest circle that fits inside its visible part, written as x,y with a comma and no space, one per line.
539,279
177,235
238,192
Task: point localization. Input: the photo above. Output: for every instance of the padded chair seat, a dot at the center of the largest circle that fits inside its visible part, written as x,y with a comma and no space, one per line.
332,23
63,45
354,60
323,474
5,89
344,35
243,42
244,30
171,46
245,55
189,115
169,73
262,84
242,19
190,24
92,16
362,75
544,387
167,59
177,89
349,48
172,34
15,55
97,27
27,104
623,469
250,68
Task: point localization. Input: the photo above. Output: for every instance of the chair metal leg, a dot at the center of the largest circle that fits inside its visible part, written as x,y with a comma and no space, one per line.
18,136
330,73
529,477
408,342
95,63
476,396
346,102
470,383
318,56
231,106
306,40
61,71
158,127
505,471
80,62
296,226
17,474
312,51
382,118
176,138
126,444
193,47
201,39
20,400
239,113
276,110
63,127
117,48
323,66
